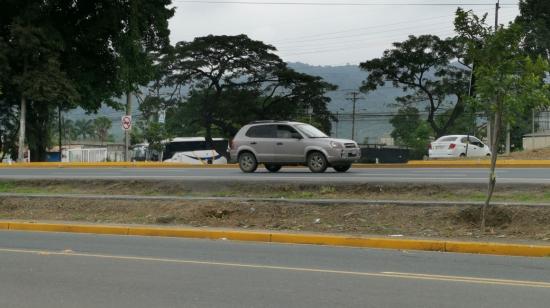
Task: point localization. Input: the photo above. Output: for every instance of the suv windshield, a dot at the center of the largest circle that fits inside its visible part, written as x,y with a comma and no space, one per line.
311,131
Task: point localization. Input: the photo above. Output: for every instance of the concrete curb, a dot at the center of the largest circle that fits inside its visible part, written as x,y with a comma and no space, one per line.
411,164
287,238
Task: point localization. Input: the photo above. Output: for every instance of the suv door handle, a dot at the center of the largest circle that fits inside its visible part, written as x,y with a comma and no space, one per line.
253,142
279,143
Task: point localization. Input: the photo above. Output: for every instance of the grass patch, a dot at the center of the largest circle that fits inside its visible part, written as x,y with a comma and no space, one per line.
414,192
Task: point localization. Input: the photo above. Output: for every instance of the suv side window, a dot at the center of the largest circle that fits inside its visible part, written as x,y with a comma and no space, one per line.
262,131
285,132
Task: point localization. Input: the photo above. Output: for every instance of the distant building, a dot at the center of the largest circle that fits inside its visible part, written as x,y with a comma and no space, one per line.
541,138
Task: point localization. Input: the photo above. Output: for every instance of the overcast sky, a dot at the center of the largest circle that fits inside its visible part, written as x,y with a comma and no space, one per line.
329,34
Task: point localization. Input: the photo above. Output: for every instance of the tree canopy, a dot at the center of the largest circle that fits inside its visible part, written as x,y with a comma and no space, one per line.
234,79
46,64
535,19
422,66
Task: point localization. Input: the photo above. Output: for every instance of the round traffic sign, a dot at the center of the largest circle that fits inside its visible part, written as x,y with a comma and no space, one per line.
126,122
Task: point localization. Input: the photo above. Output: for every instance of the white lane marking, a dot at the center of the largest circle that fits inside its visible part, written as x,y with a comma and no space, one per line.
458,279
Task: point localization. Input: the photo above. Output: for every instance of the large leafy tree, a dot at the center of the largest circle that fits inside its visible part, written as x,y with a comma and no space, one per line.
422,66
234,79
38,79
508,83
90,56
535,19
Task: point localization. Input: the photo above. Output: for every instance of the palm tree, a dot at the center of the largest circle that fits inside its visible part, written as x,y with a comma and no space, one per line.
84,129
102,125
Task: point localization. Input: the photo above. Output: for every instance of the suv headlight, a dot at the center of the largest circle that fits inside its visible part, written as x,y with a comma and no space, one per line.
335,145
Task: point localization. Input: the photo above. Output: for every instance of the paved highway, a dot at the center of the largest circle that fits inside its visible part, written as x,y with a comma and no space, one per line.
77,270
291,175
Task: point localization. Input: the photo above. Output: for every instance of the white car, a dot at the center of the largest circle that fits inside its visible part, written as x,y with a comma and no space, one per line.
458,146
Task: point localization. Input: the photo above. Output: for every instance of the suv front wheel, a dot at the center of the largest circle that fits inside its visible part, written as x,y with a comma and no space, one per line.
317,162
248,162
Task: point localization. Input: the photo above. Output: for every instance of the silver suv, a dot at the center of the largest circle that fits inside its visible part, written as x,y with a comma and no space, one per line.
279,143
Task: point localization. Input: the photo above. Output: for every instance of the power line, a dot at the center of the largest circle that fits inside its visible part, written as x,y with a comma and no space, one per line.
367,39
339,3
410,28
358,47
368,33
299,38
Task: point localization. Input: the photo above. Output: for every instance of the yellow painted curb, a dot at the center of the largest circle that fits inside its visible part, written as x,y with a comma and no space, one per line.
50,227
289,238
201,233
498,249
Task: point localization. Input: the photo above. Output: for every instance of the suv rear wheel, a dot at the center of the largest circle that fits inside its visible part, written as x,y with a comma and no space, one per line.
248,162
317,162
341,168
272,168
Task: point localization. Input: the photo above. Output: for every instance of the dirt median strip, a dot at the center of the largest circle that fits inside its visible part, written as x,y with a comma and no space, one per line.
289,238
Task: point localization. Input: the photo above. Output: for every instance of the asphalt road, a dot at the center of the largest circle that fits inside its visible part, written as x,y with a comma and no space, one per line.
76,270
291,175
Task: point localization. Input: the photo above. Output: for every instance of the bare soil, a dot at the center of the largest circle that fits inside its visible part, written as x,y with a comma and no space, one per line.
534,154
510,223
516,223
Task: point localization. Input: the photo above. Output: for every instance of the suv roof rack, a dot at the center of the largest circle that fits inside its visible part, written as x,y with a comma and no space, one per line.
268,121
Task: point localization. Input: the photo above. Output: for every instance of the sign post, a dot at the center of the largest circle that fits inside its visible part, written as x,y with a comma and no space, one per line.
126,123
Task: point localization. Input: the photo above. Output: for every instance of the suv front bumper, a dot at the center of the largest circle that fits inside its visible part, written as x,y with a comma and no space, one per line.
347,155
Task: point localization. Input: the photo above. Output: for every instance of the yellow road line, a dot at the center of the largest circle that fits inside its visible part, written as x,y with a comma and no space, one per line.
458,279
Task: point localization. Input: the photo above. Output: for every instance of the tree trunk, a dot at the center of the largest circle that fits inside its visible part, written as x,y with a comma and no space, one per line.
22,126
60,131
492,175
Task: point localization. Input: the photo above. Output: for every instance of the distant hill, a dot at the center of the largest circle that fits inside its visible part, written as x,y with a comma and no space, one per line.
348,78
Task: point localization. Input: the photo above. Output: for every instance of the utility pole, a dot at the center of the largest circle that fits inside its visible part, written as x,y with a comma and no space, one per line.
497,8
337,122
354,98
490,125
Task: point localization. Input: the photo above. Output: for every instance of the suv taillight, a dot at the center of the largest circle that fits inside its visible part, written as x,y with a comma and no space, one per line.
452,146
429,146
231,145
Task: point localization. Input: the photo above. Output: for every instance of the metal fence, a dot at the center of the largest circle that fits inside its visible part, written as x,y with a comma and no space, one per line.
87,155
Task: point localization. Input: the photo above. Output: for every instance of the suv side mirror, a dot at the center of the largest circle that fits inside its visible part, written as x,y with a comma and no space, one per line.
296,135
